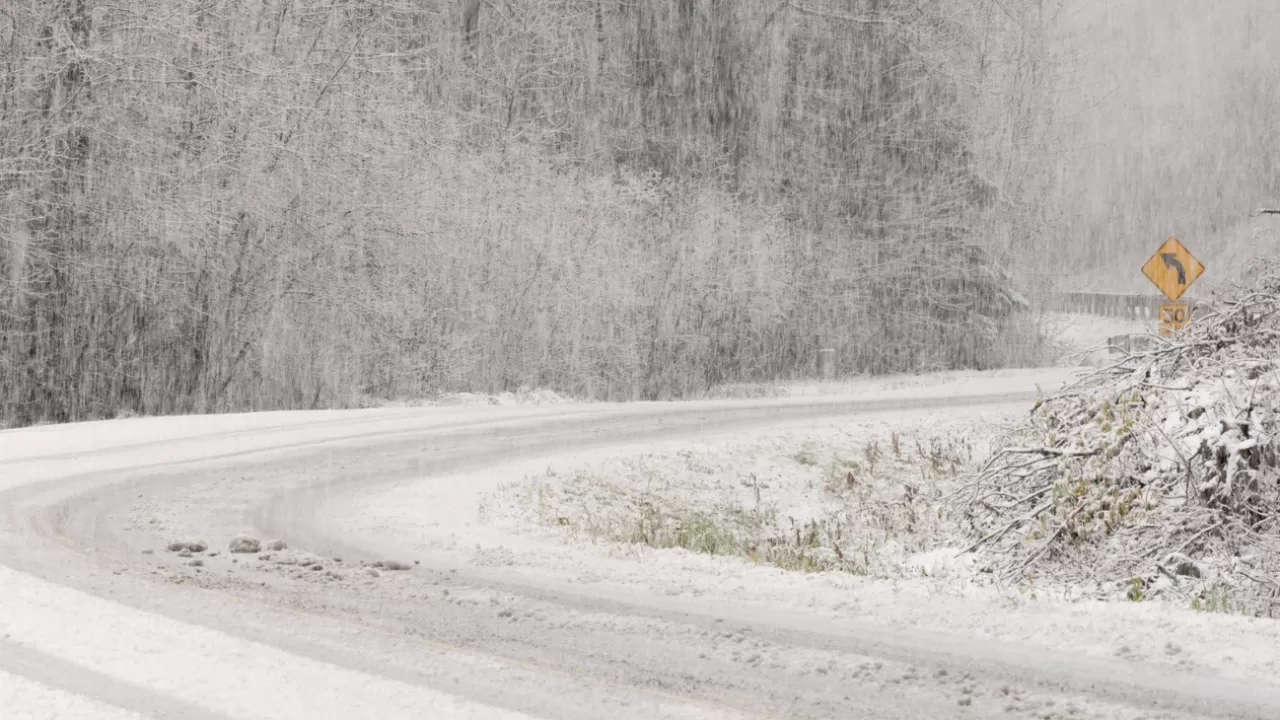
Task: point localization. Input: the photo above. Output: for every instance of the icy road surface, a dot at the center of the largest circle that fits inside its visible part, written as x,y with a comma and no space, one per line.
98,620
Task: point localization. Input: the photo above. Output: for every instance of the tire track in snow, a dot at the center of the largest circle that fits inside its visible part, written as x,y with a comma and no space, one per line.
41,685
202,668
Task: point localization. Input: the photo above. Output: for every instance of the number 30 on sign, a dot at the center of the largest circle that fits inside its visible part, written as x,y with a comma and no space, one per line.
1173,317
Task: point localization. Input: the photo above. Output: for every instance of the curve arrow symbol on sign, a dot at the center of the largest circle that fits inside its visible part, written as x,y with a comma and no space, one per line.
1171,261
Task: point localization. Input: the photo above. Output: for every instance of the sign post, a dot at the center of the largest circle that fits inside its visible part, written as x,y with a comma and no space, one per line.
827,363
1172,269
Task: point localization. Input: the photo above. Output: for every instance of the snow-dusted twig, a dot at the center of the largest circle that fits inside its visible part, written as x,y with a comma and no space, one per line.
1183,547
1020,521
1054,452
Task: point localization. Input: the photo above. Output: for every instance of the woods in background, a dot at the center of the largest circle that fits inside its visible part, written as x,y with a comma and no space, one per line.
225,205
1172,127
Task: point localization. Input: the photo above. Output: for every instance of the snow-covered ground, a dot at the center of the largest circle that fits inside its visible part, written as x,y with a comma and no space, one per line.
561,518
24,699
523,593
80,630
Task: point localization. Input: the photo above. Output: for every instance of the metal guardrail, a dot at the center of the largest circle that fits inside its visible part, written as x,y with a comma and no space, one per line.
1144,307
1123,344
1135,306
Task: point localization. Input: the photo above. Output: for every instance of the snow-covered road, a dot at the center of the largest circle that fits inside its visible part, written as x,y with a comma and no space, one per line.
97,620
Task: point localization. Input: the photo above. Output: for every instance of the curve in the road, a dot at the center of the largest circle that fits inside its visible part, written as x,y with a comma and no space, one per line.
585,659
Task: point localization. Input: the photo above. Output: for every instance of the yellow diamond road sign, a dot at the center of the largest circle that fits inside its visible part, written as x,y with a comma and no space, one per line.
1173,269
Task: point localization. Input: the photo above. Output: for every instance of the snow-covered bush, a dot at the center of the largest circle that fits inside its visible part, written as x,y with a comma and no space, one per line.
1155,475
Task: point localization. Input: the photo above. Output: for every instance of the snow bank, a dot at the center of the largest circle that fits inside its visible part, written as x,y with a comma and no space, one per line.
944,562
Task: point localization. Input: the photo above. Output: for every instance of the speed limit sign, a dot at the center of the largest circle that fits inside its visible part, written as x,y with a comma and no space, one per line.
1173,316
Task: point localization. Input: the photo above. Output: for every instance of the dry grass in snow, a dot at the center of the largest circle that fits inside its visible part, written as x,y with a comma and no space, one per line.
864,501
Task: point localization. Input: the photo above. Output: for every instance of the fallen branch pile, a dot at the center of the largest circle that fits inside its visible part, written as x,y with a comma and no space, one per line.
1157,474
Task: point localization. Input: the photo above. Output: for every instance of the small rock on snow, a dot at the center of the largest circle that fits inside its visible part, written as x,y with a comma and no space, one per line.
1184,566
244,544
